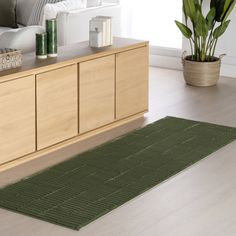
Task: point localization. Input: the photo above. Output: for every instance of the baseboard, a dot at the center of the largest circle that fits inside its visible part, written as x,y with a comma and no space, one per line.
168,62
174,62
228,70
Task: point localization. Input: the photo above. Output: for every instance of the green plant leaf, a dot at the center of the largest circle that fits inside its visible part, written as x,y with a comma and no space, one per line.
223,8
220,30
201,27
219,6
214,3
211,17
229,10
184,29
185,15
198,6
227,5
189,8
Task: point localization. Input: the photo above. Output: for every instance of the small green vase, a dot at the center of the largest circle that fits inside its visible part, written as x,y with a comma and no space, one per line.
41,46
51,28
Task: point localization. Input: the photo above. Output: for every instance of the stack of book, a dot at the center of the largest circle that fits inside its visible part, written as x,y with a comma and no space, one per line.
100,31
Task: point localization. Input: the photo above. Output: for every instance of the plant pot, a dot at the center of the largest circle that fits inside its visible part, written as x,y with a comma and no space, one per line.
201,74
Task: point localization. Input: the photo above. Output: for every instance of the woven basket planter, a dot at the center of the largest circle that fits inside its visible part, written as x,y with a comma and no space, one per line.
201,74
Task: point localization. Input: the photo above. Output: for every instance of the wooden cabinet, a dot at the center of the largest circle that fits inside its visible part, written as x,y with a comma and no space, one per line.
57,106
49,104
131,82
96,93
17,118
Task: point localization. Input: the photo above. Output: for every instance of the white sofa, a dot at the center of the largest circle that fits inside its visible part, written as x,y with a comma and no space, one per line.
21,38
73,26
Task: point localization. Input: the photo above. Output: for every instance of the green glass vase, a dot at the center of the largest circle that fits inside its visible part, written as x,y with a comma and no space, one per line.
51,28
41,46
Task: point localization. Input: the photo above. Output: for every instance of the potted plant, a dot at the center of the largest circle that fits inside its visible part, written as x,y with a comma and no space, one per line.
202,67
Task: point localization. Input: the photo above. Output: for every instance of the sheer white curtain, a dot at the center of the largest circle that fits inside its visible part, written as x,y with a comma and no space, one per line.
153,20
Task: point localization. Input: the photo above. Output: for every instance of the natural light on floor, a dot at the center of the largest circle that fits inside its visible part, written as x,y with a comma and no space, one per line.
153,20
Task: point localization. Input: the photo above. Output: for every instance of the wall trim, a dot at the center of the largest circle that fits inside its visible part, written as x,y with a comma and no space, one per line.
165,62
165,57
228,70
171,59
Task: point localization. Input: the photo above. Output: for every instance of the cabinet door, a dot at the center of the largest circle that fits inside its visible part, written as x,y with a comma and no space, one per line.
97,96
17,118
57,106
131,82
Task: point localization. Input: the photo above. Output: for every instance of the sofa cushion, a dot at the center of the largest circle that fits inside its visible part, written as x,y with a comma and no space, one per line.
21,38
94,3
51,10
4,29
37,11
8,13
23,10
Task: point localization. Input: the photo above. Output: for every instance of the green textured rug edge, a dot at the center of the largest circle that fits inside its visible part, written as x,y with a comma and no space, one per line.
104,144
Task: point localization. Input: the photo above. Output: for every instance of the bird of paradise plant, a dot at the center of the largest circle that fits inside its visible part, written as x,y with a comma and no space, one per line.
203,32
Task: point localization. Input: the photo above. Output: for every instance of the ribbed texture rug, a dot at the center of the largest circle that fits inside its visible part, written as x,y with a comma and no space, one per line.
78,191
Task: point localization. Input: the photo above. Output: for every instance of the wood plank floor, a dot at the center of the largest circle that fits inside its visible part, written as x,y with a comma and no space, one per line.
199,201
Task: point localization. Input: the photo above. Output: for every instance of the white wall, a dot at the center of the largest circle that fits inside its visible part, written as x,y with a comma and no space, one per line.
226,44
153,21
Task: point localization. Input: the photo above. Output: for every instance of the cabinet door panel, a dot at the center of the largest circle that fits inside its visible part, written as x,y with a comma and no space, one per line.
131,82
57,106
17,118
97,96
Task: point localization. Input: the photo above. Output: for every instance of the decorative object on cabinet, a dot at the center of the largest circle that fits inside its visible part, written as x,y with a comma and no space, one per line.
51,29
41,46
100,31
10,58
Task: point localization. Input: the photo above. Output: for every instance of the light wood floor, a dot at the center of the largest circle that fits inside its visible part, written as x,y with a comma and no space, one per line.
199,201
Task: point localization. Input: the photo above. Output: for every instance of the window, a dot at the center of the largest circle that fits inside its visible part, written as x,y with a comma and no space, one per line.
153,20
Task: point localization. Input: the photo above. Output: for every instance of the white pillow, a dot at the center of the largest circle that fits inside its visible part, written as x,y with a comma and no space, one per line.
23,10
51,10
21,38
37,11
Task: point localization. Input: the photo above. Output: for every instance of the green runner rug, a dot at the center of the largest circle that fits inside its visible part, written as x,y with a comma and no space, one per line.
78,191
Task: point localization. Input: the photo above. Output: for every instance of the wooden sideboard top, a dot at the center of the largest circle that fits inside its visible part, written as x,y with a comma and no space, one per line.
67,55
